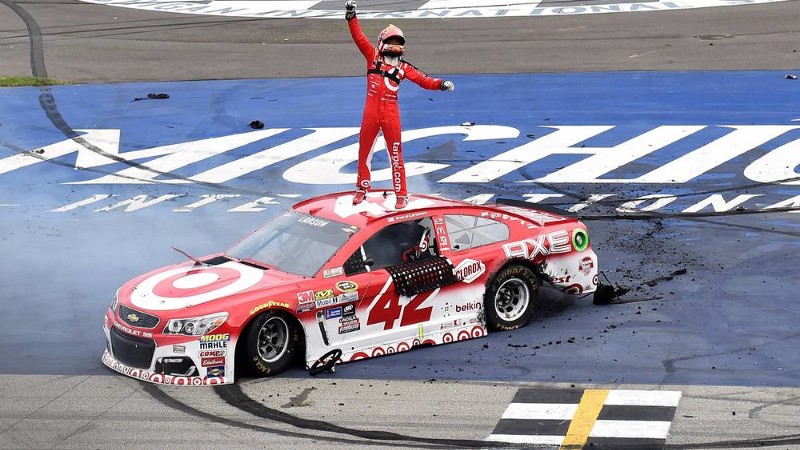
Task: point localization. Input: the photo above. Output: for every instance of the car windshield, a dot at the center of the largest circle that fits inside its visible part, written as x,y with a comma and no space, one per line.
294,242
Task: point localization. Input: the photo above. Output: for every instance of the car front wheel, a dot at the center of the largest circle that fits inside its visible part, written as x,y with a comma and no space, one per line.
272,342
511,297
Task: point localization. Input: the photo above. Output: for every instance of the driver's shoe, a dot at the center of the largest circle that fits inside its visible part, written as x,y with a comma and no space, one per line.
402,202
359,196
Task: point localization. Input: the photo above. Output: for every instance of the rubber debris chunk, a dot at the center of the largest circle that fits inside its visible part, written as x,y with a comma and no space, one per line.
157,96
790,77
257,124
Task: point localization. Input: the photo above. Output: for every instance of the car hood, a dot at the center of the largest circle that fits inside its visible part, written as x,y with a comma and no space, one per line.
186,285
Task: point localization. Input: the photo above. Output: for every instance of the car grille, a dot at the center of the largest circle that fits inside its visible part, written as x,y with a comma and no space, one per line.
132,351
137,318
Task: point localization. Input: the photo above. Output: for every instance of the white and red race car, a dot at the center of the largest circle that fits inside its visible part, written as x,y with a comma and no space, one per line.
335,282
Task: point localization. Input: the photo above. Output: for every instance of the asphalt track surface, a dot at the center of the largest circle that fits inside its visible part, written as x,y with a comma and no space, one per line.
68,399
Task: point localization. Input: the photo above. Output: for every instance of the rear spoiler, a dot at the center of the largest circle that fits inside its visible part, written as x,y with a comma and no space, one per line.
536,206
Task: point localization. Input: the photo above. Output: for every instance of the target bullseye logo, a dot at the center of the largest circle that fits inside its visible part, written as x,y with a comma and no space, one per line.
191,285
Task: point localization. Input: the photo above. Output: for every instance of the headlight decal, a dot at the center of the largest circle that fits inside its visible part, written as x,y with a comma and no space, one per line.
195,326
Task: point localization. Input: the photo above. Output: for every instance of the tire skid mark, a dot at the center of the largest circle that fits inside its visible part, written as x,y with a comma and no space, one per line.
234,396
167,400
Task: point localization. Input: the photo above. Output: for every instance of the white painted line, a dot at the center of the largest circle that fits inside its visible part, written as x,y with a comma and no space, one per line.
479,199
262,4
8,205
78,204
527,439
644,429
643,398
540,411
450,4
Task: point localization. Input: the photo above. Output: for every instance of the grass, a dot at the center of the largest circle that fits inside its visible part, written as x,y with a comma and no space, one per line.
29,81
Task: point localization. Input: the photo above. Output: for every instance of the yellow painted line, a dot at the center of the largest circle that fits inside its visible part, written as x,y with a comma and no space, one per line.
584,418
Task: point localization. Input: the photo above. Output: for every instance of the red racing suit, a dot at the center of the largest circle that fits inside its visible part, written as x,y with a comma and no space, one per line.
381,111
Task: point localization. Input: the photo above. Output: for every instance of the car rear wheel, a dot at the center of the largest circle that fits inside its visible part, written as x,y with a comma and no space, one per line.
272,342
511,298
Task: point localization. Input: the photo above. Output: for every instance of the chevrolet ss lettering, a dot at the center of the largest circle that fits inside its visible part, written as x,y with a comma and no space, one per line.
402,288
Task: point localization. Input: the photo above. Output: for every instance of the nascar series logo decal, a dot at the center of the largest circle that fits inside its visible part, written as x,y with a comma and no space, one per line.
435,9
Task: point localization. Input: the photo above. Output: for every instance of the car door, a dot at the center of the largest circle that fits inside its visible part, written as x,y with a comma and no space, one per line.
387,313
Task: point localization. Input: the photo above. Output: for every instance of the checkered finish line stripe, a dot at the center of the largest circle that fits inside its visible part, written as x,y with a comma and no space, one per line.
577,418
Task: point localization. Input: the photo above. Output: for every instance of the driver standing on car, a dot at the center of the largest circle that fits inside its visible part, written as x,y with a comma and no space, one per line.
385,70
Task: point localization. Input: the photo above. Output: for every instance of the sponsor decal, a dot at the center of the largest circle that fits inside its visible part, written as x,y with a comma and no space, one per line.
213,353
305,301
448,325
469,307
320,295
269,305
313,221
158,378
210,362
216,372
560,280
215,337
341,298
349,310
586,265
305,296
397,165
178,349
214,341
133,317
347,286
303,307
349,325
131,331
333,313
326,302
347,297
544,244
335,272
188,286
469,270
213,345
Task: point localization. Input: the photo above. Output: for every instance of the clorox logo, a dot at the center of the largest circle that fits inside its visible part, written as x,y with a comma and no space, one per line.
469,270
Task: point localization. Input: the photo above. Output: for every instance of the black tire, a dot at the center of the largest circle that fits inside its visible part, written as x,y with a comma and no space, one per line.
272,342
511,298
603,295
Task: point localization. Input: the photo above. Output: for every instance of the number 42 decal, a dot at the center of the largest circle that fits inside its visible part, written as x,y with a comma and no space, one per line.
387,309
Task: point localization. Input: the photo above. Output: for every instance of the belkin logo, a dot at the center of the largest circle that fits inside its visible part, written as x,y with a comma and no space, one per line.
468,307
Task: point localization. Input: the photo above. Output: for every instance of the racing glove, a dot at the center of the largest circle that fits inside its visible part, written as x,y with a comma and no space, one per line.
350,6
448,86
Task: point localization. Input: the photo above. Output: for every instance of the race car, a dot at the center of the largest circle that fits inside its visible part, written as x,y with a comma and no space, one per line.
330,282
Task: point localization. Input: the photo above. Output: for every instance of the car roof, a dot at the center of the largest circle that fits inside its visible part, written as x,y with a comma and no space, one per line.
378,204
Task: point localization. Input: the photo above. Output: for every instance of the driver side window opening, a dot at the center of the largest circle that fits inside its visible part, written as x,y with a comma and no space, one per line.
467,232
393,245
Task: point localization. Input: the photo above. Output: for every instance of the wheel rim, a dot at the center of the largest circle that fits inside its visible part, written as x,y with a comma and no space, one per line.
512,299
273,339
